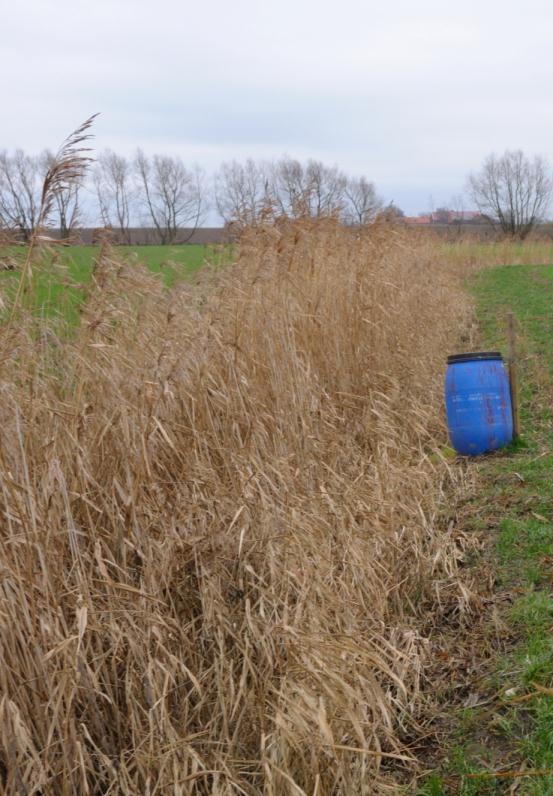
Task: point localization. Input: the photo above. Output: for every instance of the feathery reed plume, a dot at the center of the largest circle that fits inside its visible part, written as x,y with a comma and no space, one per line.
69,166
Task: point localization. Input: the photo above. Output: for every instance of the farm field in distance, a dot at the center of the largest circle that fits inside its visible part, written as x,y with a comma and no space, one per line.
64,271
60,280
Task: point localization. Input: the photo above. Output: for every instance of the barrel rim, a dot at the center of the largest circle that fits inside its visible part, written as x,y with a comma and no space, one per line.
474,356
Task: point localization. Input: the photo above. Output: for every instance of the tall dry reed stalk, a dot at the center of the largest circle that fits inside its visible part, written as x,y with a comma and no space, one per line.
68,168
220,517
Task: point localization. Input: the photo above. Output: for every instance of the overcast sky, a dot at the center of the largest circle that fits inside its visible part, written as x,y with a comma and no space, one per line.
412,94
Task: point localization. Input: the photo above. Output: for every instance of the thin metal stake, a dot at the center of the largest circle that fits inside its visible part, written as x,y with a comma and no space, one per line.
513,374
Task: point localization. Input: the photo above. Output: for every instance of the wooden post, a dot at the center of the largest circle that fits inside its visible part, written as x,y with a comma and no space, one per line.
513,374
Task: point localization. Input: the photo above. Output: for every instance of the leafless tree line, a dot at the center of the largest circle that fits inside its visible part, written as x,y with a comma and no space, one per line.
246,193
159,192
162,193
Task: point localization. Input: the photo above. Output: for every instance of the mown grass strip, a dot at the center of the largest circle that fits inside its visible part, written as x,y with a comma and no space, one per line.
510,749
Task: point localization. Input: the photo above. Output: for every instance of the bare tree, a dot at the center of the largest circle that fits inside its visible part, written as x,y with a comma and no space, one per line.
362,201
328,186
313,189
242,192
20,184
513,191
171,195
114,189
246,192
289,188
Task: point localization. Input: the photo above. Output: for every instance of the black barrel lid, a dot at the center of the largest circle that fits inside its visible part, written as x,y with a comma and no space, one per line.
474,356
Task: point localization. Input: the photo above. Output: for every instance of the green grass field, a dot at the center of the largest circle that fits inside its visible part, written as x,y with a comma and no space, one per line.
512,733
60,279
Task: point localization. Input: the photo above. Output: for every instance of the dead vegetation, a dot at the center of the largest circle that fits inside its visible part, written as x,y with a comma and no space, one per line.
220,517
466,252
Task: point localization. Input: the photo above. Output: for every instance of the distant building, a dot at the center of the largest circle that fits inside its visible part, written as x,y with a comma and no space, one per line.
415,221
444,217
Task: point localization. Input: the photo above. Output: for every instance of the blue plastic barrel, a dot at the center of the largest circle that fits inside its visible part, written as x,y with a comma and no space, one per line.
478,402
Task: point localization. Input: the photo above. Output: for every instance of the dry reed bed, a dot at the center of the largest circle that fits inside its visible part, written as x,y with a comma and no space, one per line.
220,522
467,252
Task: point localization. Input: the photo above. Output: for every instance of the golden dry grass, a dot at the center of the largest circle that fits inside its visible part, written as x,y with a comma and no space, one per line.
469,251
220,517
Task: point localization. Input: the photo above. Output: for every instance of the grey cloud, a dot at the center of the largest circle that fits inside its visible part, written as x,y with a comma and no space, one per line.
413,95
